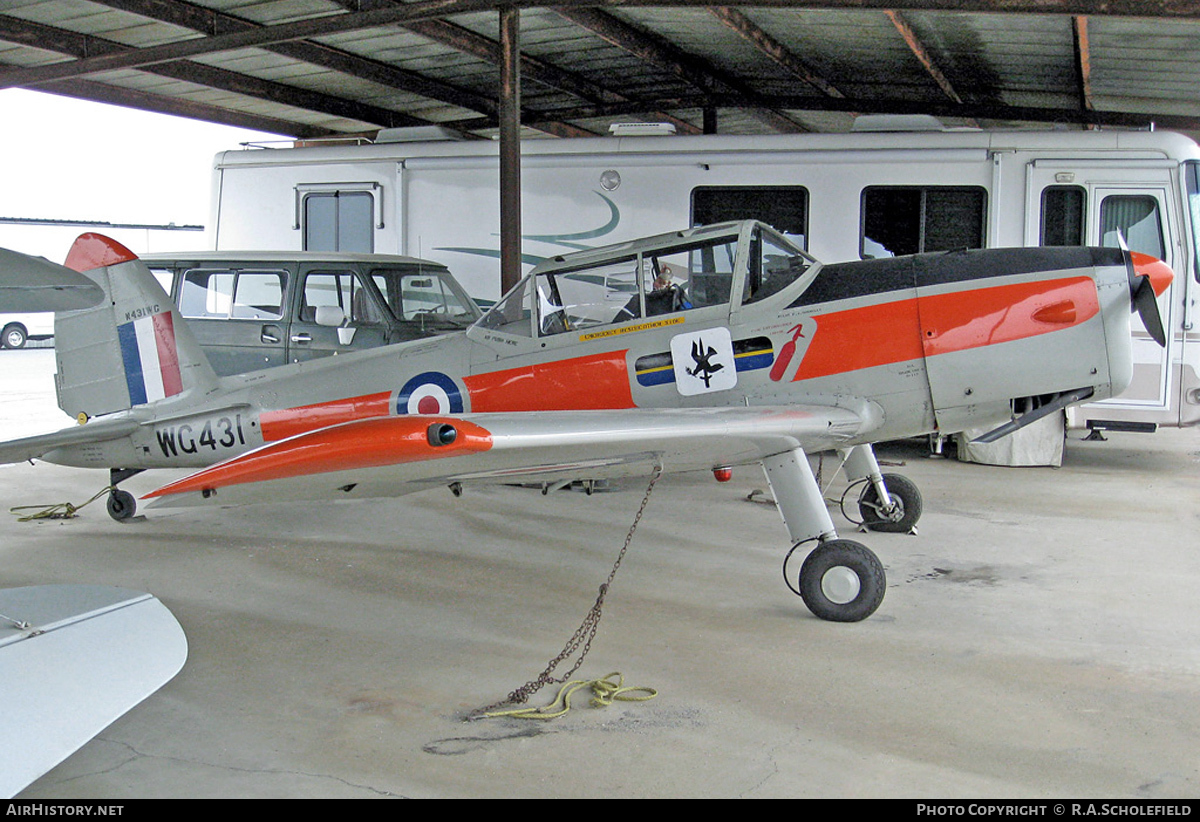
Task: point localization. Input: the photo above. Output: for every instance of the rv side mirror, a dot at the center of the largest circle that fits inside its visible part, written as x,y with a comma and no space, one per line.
330,316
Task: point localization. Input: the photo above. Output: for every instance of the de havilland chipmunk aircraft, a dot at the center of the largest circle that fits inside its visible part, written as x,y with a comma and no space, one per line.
706,349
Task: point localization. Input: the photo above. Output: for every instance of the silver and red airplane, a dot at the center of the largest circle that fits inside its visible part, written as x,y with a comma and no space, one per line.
701,350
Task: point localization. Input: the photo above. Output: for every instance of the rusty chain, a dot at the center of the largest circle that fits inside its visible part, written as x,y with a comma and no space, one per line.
581,640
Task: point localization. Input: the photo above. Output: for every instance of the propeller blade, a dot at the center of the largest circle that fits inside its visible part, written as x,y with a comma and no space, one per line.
1149,278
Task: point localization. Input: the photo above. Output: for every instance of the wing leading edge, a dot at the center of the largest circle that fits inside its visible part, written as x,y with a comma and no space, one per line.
74,658
392,456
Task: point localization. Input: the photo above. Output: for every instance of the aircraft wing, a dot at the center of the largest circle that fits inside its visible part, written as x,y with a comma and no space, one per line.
391,456
100,430
74,658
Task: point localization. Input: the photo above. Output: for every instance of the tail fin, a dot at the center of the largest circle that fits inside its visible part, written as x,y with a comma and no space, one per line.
132,348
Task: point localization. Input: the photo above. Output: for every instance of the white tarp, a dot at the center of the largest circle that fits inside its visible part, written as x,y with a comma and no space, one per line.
1040,443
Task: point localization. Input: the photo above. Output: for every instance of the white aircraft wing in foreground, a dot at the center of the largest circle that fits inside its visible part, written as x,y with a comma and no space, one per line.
74,658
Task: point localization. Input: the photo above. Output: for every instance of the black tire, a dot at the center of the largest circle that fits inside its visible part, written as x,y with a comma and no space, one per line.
121,505
14,336
904,493
842,581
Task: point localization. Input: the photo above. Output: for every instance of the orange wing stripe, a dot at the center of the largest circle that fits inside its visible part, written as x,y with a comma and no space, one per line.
364,444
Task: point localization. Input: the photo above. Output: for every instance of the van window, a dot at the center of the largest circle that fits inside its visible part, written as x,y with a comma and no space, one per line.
343,289
224,294
913,219
1135,218
785,208
165,278
1063,212
430,297
339,221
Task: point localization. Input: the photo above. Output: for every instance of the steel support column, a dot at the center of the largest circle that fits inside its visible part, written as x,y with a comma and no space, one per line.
510,147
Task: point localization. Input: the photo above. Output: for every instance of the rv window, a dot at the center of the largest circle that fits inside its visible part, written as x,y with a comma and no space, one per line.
339,221
1193,194
1135,218
783,207
1063,210
911,219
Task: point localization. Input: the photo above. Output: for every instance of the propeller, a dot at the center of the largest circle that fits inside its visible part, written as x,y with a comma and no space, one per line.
1148,278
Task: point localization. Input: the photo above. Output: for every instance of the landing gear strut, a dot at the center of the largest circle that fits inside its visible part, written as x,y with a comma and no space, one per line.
889,502
121,504
840,580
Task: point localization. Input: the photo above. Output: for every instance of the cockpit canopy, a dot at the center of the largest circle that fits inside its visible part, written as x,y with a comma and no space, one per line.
716,267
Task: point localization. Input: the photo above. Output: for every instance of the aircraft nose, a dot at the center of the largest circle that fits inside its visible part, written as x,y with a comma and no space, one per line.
1159,273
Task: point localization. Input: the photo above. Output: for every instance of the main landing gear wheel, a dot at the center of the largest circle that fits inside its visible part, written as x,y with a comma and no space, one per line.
906,506
121,505
842,581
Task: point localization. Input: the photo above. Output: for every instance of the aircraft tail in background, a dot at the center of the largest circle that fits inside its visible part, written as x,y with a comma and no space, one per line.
131,349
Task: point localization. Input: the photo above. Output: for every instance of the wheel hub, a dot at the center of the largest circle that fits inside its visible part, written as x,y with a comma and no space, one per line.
840,584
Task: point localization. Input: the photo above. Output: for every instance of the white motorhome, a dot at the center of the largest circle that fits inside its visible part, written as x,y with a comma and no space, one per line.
842,196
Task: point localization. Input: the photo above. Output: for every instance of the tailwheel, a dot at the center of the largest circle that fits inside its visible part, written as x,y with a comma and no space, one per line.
898,518
121,505
842,581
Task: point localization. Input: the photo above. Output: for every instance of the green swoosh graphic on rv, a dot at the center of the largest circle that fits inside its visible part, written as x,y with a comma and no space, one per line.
557,239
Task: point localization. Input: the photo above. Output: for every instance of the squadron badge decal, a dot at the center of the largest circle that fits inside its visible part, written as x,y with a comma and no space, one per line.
704,361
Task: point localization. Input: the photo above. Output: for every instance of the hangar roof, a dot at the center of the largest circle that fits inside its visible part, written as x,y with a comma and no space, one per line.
320,68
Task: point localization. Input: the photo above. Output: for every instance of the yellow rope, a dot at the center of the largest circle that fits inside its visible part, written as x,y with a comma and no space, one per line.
605,691
61,510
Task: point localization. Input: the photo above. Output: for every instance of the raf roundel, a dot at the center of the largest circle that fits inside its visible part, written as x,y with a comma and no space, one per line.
429,393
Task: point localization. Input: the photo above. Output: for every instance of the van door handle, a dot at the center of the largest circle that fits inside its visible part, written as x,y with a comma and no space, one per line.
269,335
301,338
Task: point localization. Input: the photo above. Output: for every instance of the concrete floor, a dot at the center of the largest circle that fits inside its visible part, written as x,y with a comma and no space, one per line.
1039,638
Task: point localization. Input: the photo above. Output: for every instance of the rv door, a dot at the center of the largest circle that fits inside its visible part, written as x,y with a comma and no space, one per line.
1099,203
1139,216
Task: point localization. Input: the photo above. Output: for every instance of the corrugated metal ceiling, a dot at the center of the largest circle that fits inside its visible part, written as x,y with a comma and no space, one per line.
313,68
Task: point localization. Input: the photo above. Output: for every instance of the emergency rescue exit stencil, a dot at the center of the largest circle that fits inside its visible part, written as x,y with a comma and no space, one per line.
704,361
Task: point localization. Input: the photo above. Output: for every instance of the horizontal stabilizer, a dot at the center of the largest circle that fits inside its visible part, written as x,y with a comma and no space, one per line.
36,284
95,431
74,658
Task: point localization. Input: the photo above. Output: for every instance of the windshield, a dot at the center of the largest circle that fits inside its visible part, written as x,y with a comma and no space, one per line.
680,276
429,297
774,264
